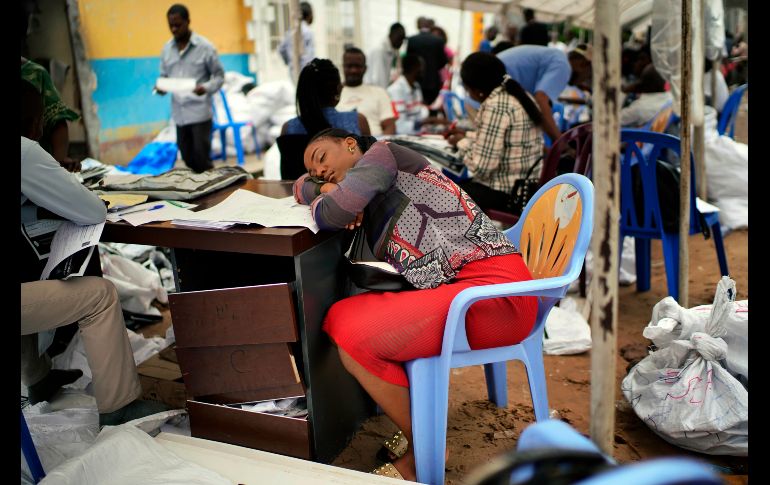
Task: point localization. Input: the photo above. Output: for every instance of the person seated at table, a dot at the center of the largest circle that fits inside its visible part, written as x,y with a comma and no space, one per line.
406,95
318,92
371,101
507,141
577,95
652,98
430,231
48,191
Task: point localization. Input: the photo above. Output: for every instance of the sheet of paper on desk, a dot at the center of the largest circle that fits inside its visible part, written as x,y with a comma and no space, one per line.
168,212
121,201
175,84
69,239
246,207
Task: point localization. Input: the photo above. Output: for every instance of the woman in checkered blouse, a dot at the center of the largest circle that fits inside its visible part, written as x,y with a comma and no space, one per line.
508,139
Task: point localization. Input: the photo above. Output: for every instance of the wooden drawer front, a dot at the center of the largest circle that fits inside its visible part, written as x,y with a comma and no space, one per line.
237,368
234,316
277,434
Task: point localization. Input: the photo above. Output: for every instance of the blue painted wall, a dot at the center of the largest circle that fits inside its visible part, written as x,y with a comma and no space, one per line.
124,91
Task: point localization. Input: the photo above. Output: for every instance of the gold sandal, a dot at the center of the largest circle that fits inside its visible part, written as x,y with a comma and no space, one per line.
388,470
397,445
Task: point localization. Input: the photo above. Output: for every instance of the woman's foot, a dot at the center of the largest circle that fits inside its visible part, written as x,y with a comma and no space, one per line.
407,467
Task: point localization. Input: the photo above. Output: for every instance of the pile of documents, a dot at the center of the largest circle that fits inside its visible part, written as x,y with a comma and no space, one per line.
245,207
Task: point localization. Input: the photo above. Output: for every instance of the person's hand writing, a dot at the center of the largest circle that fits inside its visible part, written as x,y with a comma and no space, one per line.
199,90
453,138
356,222
160,92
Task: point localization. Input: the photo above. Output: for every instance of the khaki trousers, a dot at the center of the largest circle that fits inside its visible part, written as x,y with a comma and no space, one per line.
92,302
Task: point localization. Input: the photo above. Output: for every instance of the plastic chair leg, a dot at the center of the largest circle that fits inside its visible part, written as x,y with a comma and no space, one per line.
497,385
30,453
223,137
642,252
533,352
716,233
671,260
429,394
238,144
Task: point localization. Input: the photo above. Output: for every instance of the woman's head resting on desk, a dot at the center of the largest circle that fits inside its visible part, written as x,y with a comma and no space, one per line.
332,152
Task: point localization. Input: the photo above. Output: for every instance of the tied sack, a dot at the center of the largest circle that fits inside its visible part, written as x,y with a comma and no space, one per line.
684,393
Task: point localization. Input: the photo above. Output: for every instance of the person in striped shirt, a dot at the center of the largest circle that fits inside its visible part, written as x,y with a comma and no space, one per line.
508,139
430,231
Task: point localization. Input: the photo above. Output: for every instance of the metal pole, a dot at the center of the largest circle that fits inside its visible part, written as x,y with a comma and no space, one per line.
398,11
604,244
684,183
296,16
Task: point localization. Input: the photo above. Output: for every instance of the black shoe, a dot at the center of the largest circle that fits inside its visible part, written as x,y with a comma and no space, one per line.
133,410
45,389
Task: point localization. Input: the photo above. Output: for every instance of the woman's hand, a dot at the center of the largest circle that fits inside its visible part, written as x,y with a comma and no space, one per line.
454,138
328,187
356,222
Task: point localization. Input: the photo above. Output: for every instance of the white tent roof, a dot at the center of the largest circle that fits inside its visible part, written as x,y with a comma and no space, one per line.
580,12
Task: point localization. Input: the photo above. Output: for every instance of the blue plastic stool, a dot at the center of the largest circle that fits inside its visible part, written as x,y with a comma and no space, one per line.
30,453
429,377
449,99
221,128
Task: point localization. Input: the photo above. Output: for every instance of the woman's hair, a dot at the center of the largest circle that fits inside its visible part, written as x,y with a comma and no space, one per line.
317,88
364,142
485,72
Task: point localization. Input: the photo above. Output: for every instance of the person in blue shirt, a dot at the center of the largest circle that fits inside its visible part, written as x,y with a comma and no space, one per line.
543,72
489,37
189,55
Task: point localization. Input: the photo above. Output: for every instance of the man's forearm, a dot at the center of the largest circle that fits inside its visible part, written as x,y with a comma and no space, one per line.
549,125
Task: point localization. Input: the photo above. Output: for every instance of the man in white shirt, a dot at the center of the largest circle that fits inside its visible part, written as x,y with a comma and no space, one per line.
48,191
384,61
371,101
406,95
652,99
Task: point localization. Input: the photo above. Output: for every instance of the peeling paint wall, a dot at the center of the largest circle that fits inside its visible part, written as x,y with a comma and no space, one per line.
123,41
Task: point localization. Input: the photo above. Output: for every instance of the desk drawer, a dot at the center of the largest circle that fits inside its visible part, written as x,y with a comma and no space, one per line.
278,434
234,316
249,372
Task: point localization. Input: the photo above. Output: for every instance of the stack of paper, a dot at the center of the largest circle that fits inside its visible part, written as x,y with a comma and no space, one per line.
245,207
154,211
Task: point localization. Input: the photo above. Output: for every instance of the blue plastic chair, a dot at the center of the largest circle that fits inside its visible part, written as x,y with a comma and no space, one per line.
554,436
222,128
730,112
449,107
30,453
553,267
651,227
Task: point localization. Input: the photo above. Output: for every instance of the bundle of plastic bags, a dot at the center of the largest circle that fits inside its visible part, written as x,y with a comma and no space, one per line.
687,390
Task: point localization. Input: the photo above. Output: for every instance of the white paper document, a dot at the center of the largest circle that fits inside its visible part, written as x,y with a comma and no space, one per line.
175,84
155,211
246,207
69,239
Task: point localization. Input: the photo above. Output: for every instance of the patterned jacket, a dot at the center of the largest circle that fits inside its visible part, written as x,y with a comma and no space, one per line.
415,218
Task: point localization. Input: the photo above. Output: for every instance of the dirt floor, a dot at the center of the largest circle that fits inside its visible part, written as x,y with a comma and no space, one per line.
477,430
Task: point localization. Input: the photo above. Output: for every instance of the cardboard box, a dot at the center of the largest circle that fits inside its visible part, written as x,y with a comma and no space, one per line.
161,380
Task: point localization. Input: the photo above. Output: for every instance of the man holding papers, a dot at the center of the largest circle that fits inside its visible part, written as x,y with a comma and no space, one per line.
48,191
194,72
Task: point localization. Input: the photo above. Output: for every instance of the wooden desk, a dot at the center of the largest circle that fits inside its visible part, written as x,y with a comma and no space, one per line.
206,259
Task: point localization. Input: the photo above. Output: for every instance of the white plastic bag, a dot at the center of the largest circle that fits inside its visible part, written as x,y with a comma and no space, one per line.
683,393
60,435
671,322
566,332
137,286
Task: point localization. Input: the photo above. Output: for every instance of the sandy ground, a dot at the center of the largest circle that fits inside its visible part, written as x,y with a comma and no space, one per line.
477,430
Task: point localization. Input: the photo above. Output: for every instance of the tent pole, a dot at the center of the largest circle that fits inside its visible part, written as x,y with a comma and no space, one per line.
698,114
296,20
684,183
604,243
